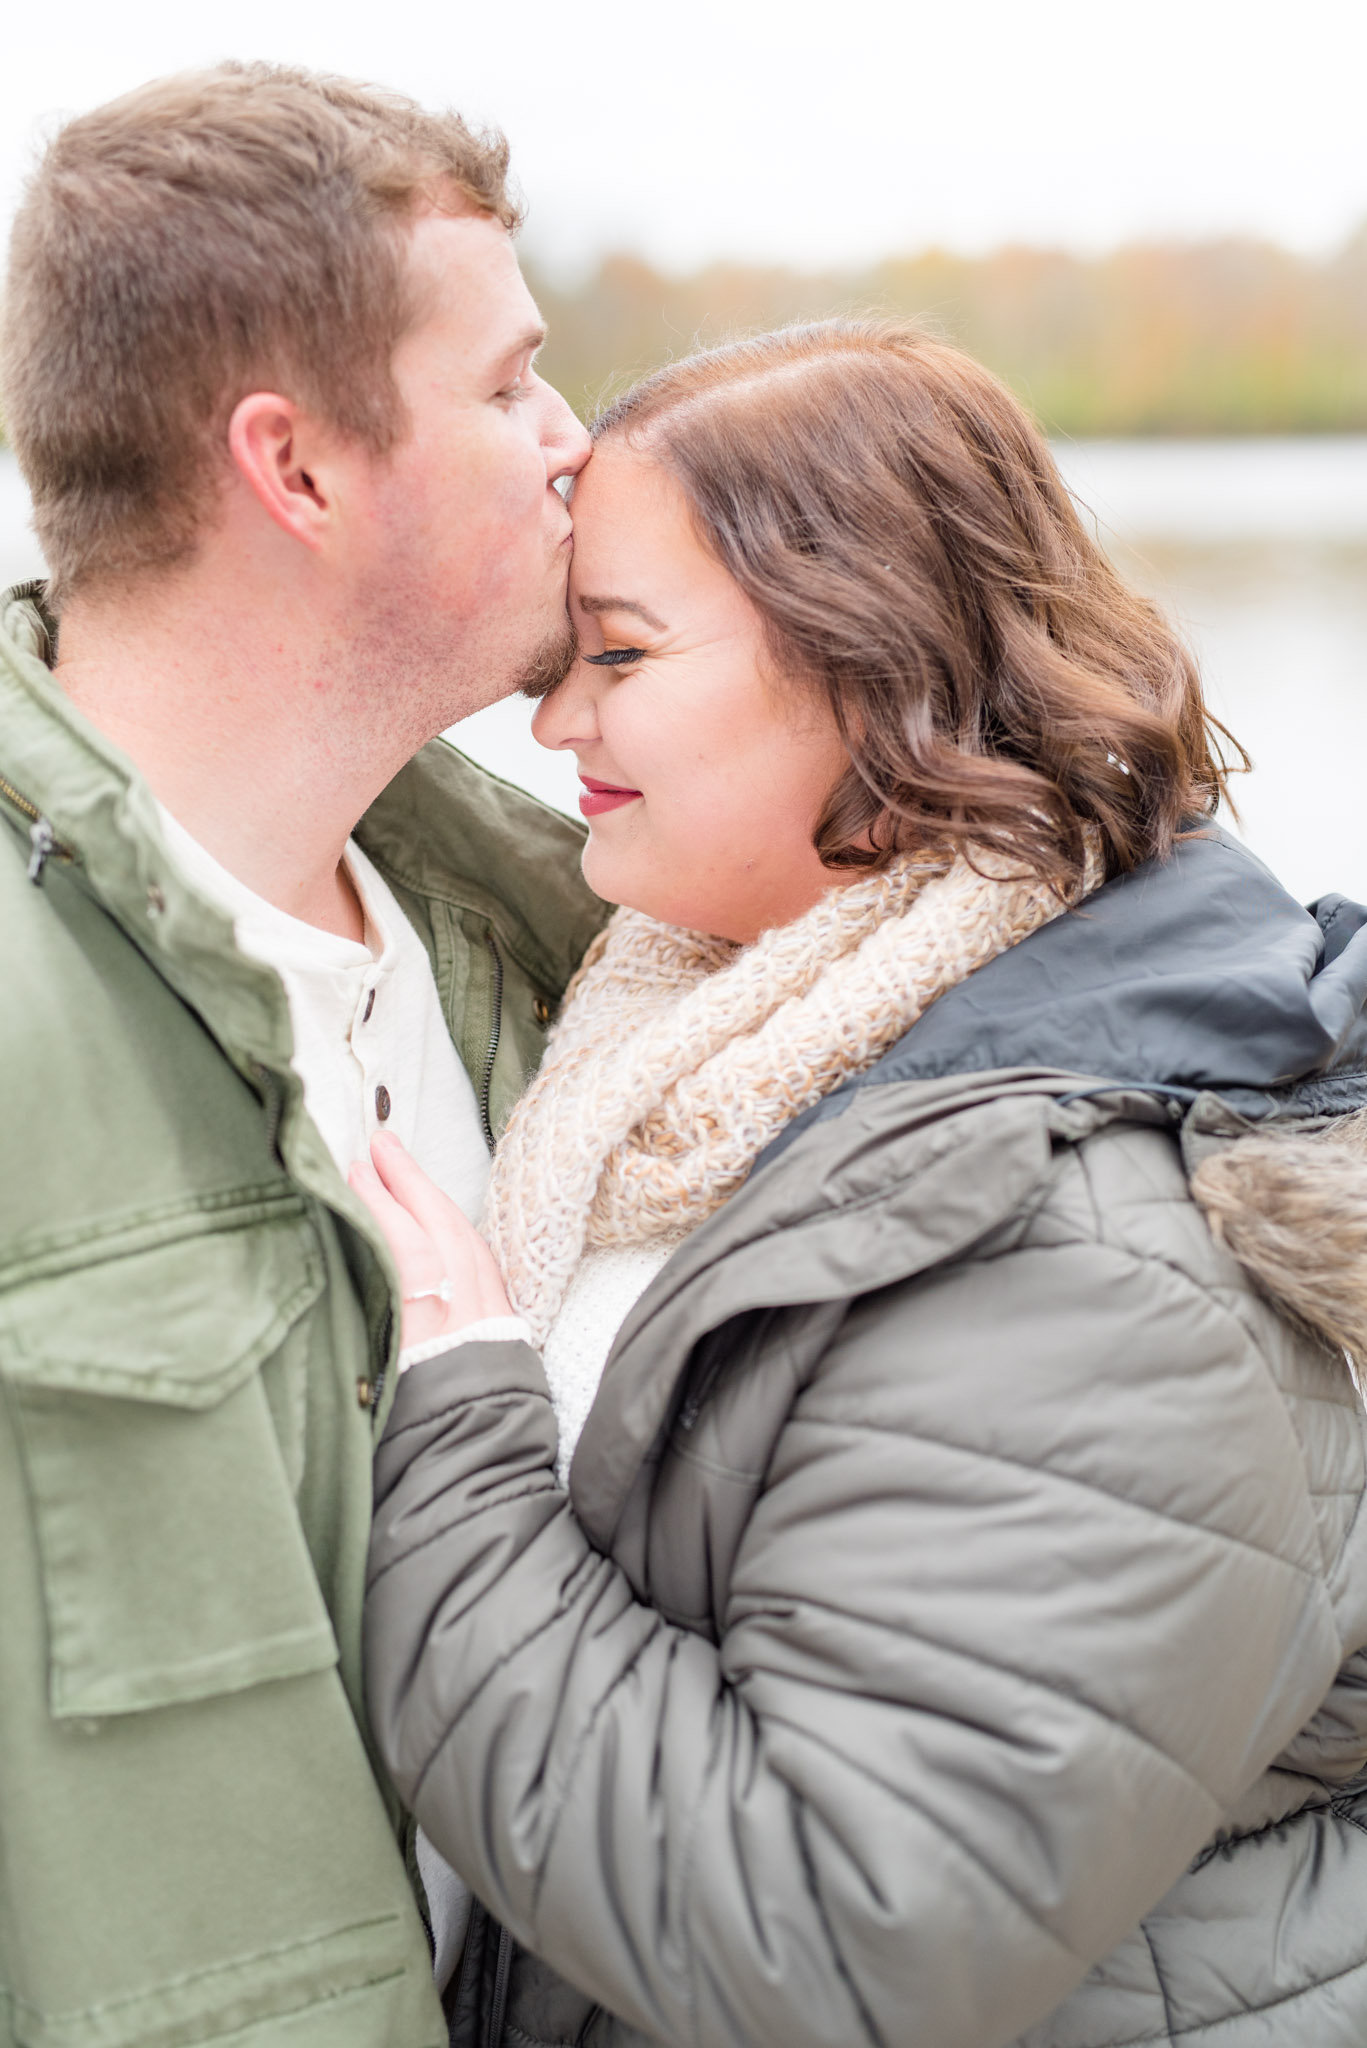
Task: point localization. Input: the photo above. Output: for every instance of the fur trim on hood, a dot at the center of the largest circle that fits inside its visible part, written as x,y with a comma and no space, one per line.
1293,1211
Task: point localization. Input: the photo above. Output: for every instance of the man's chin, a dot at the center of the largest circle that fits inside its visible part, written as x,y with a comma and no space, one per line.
551,663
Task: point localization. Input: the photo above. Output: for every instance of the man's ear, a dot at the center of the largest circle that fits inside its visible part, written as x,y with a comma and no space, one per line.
271,442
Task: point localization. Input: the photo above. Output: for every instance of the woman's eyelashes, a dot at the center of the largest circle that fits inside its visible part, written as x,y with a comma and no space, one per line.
616,657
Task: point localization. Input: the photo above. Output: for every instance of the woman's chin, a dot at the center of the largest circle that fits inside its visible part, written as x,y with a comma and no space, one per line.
604,875
622,882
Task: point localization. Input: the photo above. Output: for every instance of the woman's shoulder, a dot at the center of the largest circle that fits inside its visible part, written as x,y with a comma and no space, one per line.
1102,1342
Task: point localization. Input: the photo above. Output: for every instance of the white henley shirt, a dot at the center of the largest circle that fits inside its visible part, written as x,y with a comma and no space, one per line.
371,1045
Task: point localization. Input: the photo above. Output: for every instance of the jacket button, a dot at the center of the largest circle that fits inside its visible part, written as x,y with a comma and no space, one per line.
365,1393
369,1006
542,1011
383,1105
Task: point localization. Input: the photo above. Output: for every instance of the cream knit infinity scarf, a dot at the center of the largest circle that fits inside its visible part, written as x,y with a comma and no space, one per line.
678,1056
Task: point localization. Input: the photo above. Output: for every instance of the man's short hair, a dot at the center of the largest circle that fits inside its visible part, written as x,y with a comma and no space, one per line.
225,231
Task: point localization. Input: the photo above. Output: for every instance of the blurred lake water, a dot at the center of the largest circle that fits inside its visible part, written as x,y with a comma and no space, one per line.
1258,548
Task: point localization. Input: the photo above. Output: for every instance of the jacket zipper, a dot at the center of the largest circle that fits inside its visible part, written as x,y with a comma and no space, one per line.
693,1406
43,841
382,1370
708,1372
711,1361
498,2005
274,1103
462,1993
495,1028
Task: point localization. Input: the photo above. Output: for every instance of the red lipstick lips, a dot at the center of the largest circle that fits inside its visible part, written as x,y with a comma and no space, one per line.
603,796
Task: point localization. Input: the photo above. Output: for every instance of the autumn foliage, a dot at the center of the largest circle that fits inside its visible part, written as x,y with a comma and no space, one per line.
1232,337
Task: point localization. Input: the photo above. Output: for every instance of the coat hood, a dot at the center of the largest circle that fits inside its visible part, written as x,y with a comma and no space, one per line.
1199,980
1191,974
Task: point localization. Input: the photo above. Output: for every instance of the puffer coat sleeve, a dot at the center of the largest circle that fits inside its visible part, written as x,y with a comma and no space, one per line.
1028,1598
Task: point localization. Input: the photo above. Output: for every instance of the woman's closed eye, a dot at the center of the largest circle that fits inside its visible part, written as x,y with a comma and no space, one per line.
617,657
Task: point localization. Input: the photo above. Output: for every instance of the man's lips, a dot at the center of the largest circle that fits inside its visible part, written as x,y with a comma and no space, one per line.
603,796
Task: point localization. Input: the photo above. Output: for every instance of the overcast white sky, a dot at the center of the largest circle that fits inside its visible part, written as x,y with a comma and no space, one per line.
804,133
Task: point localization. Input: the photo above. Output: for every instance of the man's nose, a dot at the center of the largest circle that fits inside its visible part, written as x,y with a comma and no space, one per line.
564,438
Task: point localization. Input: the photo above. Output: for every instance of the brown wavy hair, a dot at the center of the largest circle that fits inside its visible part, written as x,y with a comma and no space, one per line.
225,231
898,522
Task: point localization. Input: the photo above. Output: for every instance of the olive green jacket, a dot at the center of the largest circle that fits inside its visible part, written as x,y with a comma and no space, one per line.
196,1334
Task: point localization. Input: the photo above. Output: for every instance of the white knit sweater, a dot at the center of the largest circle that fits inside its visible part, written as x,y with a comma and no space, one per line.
607,1285
678,1057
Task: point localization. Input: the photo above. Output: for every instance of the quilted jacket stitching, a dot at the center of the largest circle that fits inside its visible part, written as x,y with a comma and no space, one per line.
1051,1475
956,1844
1161,1983
1024,1678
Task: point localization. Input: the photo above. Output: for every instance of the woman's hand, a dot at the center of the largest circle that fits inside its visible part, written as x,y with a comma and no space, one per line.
447,1272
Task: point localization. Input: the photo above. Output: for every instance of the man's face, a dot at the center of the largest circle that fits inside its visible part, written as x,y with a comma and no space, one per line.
464,546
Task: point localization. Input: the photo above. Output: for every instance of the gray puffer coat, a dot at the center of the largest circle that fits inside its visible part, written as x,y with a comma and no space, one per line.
954,1631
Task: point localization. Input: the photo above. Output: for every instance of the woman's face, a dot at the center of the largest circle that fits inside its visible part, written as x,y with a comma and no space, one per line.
704,774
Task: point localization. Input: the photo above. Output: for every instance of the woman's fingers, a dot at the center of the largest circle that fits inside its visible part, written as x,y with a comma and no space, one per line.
467,1263
418,1260
410,1243
458,1243
418,1193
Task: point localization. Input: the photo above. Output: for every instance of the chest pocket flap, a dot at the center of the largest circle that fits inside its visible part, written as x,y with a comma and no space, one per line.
172,1559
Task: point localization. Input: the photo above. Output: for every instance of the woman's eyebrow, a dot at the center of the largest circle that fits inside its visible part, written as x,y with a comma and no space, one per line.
621,604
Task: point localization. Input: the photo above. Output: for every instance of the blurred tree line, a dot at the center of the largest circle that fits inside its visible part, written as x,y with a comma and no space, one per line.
1230,337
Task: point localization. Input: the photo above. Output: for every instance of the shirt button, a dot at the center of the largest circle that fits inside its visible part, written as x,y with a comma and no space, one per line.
369,1006
383,1105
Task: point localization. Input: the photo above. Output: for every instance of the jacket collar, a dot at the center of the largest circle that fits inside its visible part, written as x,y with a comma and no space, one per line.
102,817
444,830
1191,975
908,1178
1196,972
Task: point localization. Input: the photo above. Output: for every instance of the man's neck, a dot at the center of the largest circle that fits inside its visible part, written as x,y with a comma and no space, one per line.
238,738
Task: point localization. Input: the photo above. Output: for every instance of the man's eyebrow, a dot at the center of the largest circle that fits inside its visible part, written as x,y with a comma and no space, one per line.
594,605
525,344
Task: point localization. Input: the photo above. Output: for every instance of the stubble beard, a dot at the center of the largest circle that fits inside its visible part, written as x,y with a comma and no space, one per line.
392,678
551,663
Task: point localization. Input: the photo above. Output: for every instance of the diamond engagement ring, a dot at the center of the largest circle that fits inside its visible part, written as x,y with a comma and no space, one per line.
442,1292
